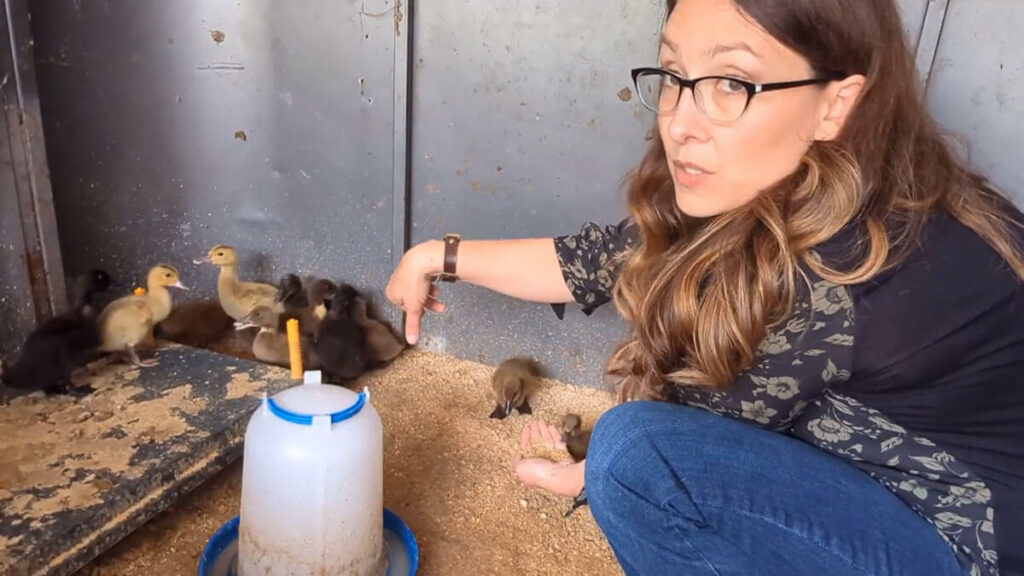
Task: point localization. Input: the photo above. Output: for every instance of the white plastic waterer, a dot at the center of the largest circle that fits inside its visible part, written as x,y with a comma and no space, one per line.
313,484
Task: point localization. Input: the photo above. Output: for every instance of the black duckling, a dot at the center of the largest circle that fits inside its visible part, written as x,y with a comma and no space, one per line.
58,346
302,304
340,342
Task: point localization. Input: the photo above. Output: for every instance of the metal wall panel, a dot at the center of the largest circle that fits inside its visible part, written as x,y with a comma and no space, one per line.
976,86
912,12
16,306
31,273
524,125
175,126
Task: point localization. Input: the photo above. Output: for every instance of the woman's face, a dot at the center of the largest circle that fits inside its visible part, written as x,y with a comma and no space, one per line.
717,167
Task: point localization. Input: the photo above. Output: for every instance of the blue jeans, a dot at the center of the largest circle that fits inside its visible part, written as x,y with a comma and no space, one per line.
682,491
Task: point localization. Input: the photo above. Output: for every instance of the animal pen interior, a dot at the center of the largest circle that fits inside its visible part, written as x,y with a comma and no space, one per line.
324,139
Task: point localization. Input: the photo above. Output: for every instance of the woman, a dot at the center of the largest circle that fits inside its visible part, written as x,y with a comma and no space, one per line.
807,259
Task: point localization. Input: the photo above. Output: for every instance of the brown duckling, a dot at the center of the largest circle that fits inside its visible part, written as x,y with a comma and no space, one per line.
271,342
382,345
128,321
238,298
575,438
196,323
512,383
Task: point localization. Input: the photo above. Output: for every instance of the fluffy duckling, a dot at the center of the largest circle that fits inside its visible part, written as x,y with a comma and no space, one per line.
236,297
196,323
512,383
317,294
271,342
382,345
297,302
128,321
290,293
340,342
61,344
575,438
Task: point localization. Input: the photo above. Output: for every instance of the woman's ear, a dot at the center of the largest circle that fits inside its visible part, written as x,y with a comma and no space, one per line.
841,98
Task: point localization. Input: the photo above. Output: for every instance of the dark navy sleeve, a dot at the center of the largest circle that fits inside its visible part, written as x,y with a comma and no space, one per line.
591,260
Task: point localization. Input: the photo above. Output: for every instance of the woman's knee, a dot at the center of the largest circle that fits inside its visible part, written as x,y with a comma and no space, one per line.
629,436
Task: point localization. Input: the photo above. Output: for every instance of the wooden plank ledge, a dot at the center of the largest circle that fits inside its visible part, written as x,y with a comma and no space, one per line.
78,475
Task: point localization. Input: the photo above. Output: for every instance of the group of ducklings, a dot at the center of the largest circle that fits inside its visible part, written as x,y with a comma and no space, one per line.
339,335
512,384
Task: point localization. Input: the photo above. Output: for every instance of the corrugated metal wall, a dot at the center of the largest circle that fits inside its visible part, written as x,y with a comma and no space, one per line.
507,120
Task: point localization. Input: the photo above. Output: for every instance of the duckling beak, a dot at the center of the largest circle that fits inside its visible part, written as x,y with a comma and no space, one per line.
508,408
243,324
205,260
179,286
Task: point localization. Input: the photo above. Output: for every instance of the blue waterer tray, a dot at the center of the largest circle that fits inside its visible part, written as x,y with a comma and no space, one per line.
220,555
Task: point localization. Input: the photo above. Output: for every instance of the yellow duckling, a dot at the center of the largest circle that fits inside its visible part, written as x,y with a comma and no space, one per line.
236,297
127,322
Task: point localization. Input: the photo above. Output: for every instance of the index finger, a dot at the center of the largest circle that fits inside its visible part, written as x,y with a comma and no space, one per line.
413,314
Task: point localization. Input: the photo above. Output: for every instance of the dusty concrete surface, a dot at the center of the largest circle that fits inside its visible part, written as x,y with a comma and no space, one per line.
447,473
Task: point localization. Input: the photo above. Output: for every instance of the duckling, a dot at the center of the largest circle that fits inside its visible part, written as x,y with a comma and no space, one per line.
53,350
317,294
238,298
128,321
290,292
294,298
271,342
512,383
382,346
196,323
575,438
340,342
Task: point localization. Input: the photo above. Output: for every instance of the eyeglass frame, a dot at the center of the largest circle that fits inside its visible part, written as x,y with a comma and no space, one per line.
752,88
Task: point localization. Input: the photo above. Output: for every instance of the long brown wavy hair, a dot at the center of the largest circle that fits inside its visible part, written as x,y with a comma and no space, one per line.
700,295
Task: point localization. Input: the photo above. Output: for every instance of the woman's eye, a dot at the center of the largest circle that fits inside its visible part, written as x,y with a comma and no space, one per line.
730,86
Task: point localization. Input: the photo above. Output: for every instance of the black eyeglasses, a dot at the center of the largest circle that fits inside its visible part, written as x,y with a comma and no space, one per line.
720,98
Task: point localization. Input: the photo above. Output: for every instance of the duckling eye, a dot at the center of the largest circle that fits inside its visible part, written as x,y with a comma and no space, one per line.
220,253
168,275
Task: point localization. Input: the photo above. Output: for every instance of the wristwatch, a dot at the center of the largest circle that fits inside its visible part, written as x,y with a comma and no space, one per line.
451,252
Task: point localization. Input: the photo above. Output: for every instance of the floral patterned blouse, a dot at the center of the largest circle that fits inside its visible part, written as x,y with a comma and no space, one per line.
916,378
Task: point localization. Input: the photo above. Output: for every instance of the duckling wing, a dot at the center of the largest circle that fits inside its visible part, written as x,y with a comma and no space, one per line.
125,322
253,294
272,348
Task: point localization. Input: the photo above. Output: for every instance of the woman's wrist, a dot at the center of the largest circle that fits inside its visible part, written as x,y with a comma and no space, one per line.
430,258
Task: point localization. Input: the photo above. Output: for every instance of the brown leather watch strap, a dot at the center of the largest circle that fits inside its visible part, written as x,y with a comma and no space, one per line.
451,253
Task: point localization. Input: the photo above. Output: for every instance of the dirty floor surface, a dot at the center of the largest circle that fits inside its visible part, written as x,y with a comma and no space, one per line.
446,473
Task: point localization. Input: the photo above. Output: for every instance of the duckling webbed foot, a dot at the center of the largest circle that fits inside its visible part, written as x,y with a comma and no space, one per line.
135,361
524,408
499,413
